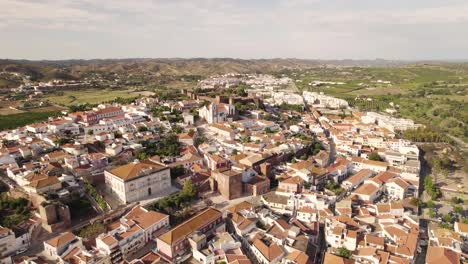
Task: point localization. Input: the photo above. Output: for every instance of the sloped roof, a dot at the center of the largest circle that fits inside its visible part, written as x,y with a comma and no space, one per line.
61,240
440,255
269,252
193,224
134,169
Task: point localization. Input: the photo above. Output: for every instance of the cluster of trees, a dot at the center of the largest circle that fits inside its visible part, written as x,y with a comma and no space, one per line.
63,141
291,107
177,171
79,207
431,188
375,156
443,164
92,191
91,230
81,107
168,146
343,252
178,201
13,211
174,117
424,135
334,187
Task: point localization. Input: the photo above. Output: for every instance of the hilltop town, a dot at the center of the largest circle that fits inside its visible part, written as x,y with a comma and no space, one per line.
244,168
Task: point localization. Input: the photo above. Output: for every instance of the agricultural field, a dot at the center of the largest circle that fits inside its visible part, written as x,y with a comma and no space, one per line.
378,80
434,95
22,119
91,96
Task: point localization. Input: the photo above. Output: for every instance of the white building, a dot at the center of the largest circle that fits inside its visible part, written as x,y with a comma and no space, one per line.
216,113
132,232
320,100
10,242
61,245
138,180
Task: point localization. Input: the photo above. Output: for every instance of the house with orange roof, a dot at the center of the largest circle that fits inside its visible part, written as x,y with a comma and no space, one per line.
44,184
397,188
61,244
461,229
266,251
138,180
174,243
297,257
334,259
342,231
307,214
442,255
291,185
131,232
356,179
367,192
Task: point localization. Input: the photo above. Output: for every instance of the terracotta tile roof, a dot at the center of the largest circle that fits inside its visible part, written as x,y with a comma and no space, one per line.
109,240
134,169
303,164
308,209
61,240
400,182
375,163
366,189
270,252
440,255
145,218
359,176
298,257
374,240
333,259
150,258
240,206
35,177
4,230
240,259
43,182
463,228
193,224
293,180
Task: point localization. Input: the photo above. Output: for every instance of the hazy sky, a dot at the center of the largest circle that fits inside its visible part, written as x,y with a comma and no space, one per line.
312,29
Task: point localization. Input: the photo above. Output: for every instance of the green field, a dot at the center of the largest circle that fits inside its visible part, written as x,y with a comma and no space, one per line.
89,96
434,95
22,119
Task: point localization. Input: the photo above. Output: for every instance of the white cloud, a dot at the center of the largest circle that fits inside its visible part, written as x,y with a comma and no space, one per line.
270,28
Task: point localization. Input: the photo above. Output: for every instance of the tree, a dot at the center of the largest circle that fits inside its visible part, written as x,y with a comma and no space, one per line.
375,156
430,204
343,252
458,209
189,190
61,141
177,171
415,201
457,200
447,218
142,129
432,213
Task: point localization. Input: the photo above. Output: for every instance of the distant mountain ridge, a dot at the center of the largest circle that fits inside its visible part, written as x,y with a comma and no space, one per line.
74,68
